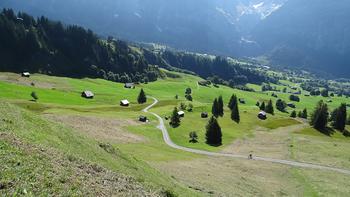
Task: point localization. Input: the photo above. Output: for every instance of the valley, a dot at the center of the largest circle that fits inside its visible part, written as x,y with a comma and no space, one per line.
99,132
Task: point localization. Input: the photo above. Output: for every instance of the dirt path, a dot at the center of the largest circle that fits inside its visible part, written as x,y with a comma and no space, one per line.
170,143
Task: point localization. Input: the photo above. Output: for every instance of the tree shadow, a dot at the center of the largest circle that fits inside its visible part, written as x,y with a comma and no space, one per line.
346,133
215,145
327,131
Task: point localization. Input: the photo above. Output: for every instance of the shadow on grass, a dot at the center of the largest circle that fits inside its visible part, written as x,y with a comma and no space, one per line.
346,133
214,145
327,131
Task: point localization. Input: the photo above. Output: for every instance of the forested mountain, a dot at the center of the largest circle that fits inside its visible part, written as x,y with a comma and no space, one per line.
49,47
45,46
312,34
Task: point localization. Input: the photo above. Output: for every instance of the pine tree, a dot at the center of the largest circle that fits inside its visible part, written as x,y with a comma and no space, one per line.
340,119
215,108
269,107
304,114
213,132
175,118
257,104
262,106
142,97
319,118
235,114
293,114
300,114
221,106
233,102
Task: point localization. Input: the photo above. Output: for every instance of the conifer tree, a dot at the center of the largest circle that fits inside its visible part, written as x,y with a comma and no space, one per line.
175,118
142,97
233,101
293,114
262,106
269,107
215,108
235,114
300,114
213,132
304,114
319,118
340,118
220,106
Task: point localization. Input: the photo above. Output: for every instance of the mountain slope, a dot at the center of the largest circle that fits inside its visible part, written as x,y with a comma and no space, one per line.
313,34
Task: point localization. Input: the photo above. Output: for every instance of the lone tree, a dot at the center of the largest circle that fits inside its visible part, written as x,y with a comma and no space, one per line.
319,118
34,96
193,137
340,118
324,93
304,114
220,106
262,106
213,132
142,97
233,105
293,114
175,118
232,102
215,108
269,108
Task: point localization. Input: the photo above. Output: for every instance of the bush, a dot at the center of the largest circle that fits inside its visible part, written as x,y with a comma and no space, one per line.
294,98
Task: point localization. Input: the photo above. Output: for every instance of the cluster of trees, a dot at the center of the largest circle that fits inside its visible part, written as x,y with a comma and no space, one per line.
233,105
219,70
218,107
175,118
45,46
281,105
268,108
188,94
301,114
320,117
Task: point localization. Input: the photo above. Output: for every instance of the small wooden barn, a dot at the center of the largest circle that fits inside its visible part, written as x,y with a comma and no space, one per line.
87,94
181,113
124,103
262,115
129,85
204,114
143,119
242,101
25,74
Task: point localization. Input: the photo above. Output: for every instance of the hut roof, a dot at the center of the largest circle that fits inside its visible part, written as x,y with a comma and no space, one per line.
124,102
88,93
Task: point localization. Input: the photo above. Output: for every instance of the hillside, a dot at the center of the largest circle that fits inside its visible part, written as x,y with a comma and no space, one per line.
312,35
45,46
63,124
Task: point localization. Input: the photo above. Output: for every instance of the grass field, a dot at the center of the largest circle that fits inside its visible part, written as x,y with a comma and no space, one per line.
75,127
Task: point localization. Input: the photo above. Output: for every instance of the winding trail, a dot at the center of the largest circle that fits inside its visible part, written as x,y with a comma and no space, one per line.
170,143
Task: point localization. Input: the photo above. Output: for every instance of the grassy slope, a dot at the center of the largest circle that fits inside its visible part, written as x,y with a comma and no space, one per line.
34,129
65,99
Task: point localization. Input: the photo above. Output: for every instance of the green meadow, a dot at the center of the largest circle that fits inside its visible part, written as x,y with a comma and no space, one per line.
61,97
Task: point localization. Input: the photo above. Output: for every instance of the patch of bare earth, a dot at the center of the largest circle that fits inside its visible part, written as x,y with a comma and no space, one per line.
231,177
274,143
102,129
67,172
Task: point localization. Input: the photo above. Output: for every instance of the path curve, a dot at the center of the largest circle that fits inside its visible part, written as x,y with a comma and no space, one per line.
170,143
